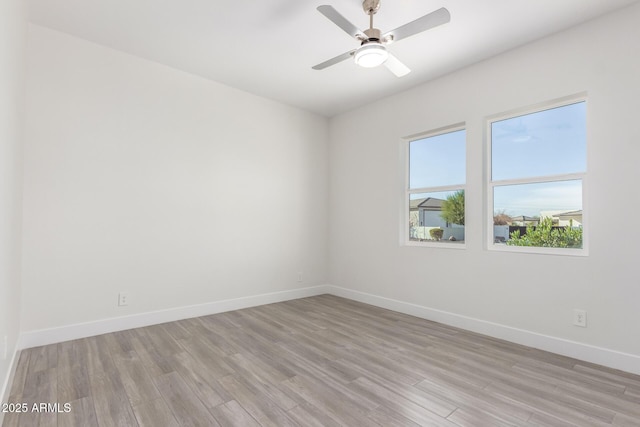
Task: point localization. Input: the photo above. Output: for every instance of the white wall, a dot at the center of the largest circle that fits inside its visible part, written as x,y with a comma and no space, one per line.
12,52
145,179
535,293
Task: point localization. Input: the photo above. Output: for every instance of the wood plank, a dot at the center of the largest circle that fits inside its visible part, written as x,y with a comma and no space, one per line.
622,420
610,376
82,414
388,418
178,330
561,406
308,415
395,402
258,405
110,401
200,380
632,393
155,362
466,417
138,384
73,376
186,408
312,392
20,377
97,355
317,361
43,358
473,399
232,414
624,404
154,413
12,419
330,381
45,392
273,391
200,349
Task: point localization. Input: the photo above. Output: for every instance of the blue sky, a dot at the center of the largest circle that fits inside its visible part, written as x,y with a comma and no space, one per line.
549,142
438,161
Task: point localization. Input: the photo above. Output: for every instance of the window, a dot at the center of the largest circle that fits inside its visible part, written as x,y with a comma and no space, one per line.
434,202
537,174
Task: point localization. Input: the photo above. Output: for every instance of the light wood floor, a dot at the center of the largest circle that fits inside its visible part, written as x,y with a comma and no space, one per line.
321,361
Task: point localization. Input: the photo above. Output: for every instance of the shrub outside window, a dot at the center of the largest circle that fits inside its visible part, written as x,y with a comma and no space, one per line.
435,198
537,178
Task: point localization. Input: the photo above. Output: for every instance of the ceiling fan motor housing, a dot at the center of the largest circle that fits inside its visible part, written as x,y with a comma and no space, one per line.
373,34
371,6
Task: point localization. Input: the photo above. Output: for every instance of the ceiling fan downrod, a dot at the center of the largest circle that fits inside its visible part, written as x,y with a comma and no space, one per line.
371,7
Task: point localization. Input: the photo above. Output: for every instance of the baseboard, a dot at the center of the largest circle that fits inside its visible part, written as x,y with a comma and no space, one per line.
6,387
601,356
82,330
598,355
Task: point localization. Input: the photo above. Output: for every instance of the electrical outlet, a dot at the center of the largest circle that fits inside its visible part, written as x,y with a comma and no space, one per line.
123,298
580,318
300,277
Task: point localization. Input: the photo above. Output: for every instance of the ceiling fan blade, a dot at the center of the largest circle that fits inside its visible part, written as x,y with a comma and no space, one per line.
340,21
334,61
427,22
394,65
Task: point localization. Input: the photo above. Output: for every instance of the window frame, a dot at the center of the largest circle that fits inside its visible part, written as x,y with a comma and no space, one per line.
407,191
490,184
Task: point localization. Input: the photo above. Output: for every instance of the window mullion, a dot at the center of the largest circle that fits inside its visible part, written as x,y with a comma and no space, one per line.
538,179
436,189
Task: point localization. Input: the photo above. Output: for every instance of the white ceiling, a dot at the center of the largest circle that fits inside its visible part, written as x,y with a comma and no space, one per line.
267,47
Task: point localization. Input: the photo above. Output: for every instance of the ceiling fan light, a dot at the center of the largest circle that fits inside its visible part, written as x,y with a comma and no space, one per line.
371,55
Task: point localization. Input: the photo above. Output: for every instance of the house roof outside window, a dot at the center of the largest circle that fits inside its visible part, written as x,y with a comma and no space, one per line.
429,204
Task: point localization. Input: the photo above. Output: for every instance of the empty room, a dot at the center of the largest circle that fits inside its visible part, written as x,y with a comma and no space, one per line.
299,213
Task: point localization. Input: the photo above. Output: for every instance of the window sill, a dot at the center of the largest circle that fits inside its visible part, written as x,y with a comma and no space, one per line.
583,252
440,245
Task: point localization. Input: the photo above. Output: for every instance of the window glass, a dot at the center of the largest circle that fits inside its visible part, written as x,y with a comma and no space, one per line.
437,216
437,160
435,195
548,142
538,166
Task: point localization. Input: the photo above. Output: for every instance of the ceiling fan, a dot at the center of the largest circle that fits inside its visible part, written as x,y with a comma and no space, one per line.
372,51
